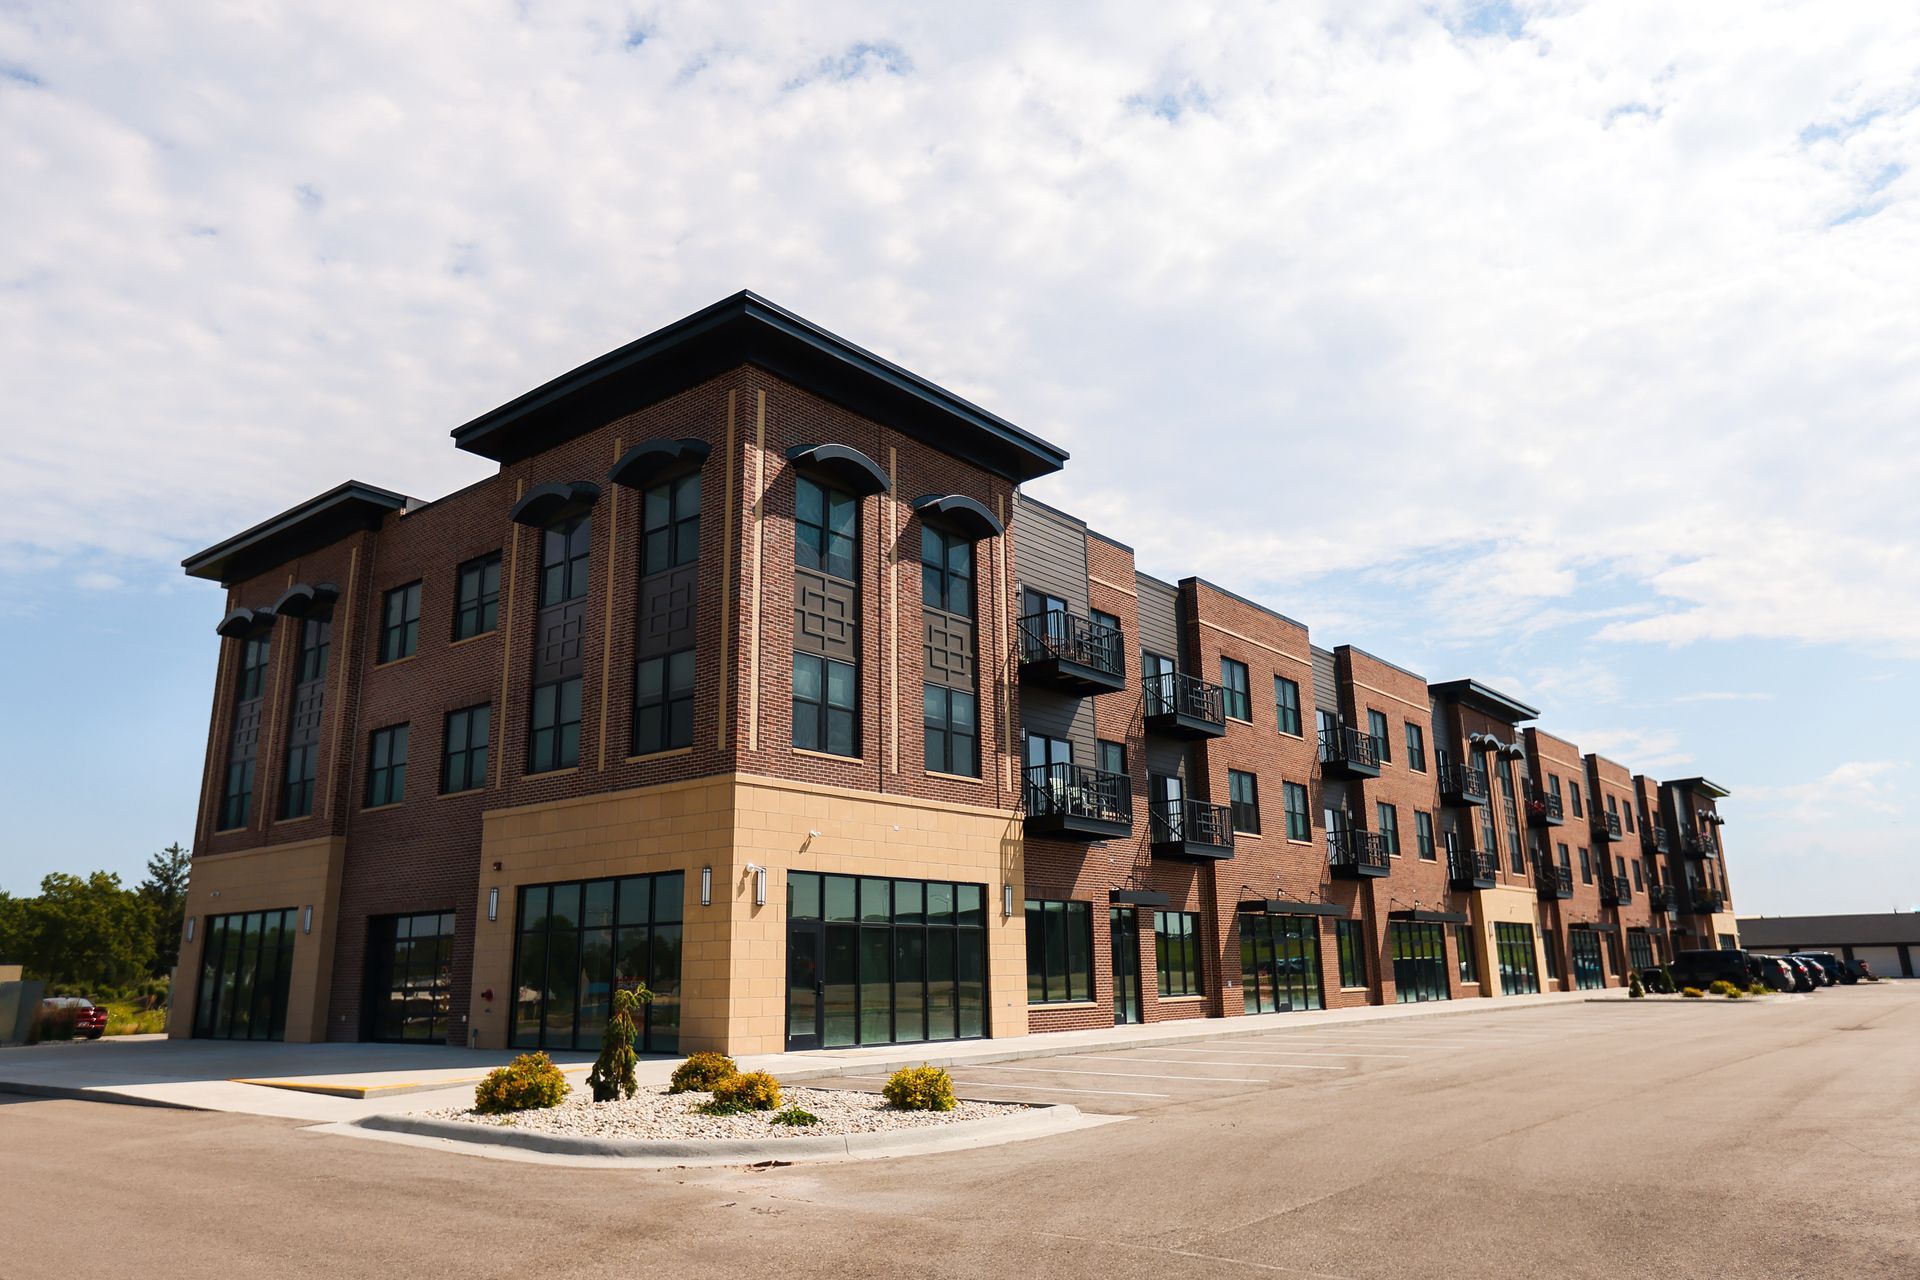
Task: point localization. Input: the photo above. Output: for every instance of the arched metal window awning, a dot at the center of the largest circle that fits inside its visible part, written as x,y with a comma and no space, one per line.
651,461
845,465
543,504
301,599
961,514
243,621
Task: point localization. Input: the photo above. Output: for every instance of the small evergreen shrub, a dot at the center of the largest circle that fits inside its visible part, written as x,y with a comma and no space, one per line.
612,1073
1693,993
754,1091
528,1083
715,1107
1636,989
701,1071
796,1117
920,1089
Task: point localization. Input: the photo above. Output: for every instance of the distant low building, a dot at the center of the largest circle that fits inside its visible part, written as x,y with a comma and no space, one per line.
1887,941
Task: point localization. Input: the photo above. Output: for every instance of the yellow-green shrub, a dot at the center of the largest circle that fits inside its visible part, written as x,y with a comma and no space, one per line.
701,1071
529,1082
1693,993
754,1091
920,1089
1724,988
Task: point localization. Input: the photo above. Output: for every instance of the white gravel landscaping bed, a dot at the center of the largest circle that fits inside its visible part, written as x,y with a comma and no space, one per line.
655,1114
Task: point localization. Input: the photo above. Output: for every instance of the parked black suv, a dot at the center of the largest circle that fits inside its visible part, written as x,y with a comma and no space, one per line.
1704,968
1837,971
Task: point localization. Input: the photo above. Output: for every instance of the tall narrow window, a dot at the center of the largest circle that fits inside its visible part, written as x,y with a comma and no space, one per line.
663,703
1059,952
1416,748
826,634
387,766
1573,799
564,549
1464,951
1350,937
463,762
1176,948
670,525
1377,730
1586,866
952,709
553,738
952,731
946,571
243,739
1286,701
1388,819
303,727
1233,680
1299,822
1243,794
476,601
1112,757
1423,835
400,623
1156,677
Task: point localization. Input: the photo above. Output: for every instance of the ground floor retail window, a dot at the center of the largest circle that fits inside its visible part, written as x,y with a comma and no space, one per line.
1419,953
246,962
1059,952
1513,944
1589,972
1279,963
1463,949
575,942
1176,952
1550,942
409,977
878,961
1351,939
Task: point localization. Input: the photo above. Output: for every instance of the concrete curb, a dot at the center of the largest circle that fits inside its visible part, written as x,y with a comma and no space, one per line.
79,1093
1041,1120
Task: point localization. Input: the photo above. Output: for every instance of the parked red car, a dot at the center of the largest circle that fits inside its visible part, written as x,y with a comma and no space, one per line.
89,1020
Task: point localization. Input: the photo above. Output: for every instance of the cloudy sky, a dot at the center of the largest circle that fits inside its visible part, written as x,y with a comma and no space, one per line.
1572,347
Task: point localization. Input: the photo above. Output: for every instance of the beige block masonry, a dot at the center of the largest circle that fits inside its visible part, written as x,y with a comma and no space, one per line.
733,956
1506,904
1725,924
302,876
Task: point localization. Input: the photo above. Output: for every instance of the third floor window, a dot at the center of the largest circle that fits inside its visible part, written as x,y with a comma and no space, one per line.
946,571
1236,697
1377,730
670,525
476,605
564,547
400,623
826,524
1286,701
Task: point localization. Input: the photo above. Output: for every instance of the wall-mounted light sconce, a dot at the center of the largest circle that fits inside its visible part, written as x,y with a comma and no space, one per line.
759,884
306,921
706,886
1006,900
493,903
190,920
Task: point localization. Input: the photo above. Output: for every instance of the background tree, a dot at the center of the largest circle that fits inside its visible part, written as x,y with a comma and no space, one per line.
166,888
88,933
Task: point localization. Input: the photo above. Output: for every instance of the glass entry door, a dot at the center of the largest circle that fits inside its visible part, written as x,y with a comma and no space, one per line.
880,961
1588,972
1125,927
1419,961
246,964
409,977
1279,963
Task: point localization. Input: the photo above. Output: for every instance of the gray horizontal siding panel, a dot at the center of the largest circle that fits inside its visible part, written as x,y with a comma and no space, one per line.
1050,554
1159,617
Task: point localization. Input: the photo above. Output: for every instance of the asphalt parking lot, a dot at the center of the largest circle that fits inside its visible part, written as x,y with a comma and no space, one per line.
1617,1140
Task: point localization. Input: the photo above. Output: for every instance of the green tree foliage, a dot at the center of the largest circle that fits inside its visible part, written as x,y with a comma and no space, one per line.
166,888
89,933
612,1073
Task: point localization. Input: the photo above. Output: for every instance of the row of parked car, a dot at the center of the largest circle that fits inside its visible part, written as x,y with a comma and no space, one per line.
1800,971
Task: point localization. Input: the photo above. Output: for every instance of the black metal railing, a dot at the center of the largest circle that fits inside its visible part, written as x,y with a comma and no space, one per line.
1545,809
1654,837
1178,694
1472,869
1055,633
1553,880
1190,822
1615,891
1344,745
1660,897
1361,851
1079,791
1464,781
1607,822
1707,902
1696,844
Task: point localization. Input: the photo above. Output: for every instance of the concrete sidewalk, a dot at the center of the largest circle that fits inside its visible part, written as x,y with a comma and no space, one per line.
339,1082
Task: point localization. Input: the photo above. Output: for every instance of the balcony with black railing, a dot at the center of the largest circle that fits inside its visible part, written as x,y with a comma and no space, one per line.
1472,869
1696,844
1075,802
1358,855
1615,891
1653,837
1660,897
1545,809
1348,753
1190,829
1071,654
1606,826
1180,706
1462,784
1552,880
1707,902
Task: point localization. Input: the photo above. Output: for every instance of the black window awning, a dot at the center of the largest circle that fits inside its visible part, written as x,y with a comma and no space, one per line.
962,514
244,621
1594,926
845,465
1140,898
545,503
1288,907
1428,917
301,599
651,461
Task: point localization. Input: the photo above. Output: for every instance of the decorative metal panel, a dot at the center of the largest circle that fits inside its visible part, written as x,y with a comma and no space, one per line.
949,650
825,616
556,652
668,606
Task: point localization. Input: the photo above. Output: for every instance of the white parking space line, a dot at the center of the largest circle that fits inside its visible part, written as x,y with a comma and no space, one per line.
1172,1062
1133,1075
1036,1088
1296,1053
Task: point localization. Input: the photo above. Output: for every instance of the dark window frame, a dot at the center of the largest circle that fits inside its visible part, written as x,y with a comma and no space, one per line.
1377,729
387,766
1423,836
827,714
1236,689
820,544
670,524
1063,920
548,725
476,605
566,555
1387,818
663,707
1298,809
466,763
1350,942
1416,747
947,749
943,582
1243,811
1286,706
1176,953
400,622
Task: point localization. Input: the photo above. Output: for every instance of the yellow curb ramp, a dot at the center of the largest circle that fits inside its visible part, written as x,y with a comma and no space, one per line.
375,1090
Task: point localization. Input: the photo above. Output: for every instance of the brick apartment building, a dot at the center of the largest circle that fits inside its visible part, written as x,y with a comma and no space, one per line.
751,675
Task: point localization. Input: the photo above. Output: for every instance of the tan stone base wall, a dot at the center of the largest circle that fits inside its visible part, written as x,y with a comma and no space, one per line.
1506,905
301,876
733,957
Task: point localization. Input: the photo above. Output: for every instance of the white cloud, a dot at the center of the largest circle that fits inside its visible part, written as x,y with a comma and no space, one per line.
1729,695
98,580
1652,751
1852,794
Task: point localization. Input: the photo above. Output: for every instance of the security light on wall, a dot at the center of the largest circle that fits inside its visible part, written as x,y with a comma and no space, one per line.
759,884
190,920
706,886
306,920
1006,901
493,904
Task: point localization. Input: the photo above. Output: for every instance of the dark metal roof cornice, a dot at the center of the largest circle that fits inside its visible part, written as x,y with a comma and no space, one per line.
1700,786
295,532
1482,698
748,329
